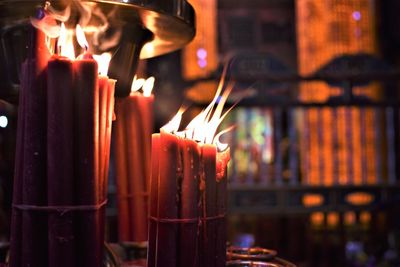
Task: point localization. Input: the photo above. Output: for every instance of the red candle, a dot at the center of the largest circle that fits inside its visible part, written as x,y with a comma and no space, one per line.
106,149
110,115
188,192
103,97
87,160
121,174
34,225
190,199
167,190
208,161
221,236
153,202
188,186
132,148
60,161
136,169
16,218
60,185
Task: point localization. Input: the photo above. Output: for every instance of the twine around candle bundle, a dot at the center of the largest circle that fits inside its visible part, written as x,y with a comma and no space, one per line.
59,209
188,220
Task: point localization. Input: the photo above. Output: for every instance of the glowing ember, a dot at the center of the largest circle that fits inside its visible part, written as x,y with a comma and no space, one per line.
103,61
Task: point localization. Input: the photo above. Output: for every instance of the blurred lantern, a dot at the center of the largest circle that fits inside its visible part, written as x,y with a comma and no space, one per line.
200,57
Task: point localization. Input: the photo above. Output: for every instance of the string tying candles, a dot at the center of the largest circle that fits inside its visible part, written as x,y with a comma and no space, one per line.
188,190
65,112
133,128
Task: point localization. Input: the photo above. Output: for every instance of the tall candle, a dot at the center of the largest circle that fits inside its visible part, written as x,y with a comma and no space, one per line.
120,140
16,218
132,148
137,186
208,161
105,157
109,119
34,224
60,185
60,161
222,182
103,97
87,160
168,199
153,201
190,200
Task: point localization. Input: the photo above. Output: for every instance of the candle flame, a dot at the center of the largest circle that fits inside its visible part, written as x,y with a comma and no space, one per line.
136,84
222,146
146,85
203,127
65,43
80,36
173,125
103,61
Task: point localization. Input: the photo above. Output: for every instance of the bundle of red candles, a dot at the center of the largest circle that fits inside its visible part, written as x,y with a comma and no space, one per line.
188,191
63,140
132,147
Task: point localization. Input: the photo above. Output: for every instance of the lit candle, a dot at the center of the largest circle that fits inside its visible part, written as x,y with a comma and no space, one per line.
60,162
133,129
34,226
188,192
60,101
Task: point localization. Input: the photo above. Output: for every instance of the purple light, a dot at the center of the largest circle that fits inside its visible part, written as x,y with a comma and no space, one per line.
356,15
202,63
201,53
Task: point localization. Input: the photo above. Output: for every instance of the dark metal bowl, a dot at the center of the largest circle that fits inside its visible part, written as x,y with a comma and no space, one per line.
157,26
252,254
239,263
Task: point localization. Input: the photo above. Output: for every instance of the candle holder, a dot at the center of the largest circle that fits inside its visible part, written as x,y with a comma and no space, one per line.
255,257
157,26
253,254
239,263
